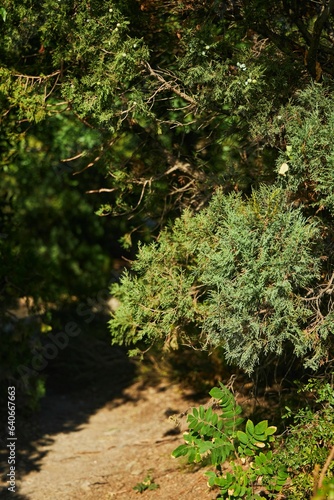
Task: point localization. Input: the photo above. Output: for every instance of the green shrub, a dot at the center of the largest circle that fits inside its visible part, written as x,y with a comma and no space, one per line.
234,275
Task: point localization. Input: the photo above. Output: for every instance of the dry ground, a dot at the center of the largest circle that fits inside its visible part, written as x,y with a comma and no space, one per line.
114,450
101,430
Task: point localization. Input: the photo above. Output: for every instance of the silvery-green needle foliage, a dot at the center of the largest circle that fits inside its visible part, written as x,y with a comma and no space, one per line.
238,275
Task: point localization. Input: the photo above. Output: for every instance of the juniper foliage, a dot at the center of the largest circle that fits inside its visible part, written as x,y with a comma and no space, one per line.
234,275
175,89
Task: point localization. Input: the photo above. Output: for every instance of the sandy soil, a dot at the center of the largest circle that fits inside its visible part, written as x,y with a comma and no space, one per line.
117,447
101,429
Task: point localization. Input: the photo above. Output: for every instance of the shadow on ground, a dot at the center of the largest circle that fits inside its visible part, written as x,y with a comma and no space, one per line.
85,376
90,374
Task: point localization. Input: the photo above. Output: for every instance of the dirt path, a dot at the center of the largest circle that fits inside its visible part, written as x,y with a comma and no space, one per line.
100,432
114,450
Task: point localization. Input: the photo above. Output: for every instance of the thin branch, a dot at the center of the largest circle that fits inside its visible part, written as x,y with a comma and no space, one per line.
101,190
92,163
296,18
40,78
58,104
283,43
82,120
311,57
169,86
184,188
74,157
142,193
325,467
53,86
326,288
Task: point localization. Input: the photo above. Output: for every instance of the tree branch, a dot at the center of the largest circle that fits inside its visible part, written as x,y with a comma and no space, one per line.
325,467
311,56
169,86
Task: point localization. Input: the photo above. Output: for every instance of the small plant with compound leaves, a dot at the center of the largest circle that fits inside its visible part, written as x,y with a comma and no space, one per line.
147,484
243,458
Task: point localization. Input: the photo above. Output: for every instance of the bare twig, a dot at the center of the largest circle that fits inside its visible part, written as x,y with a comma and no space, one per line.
325,289
169,86
73,157
37,78
101,190
98,157
325,467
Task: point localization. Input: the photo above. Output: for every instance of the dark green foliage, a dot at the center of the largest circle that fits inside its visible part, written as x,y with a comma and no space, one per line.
309,125
177,90
309,441
52,245
43,214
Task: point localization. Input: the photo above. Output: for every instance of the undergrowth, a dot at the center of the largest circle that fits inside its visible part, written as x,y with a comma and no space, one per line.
251,462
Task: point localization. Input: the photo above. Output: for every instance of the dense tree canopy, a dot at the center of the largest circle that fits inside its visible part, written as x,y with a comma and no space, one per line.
185,96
